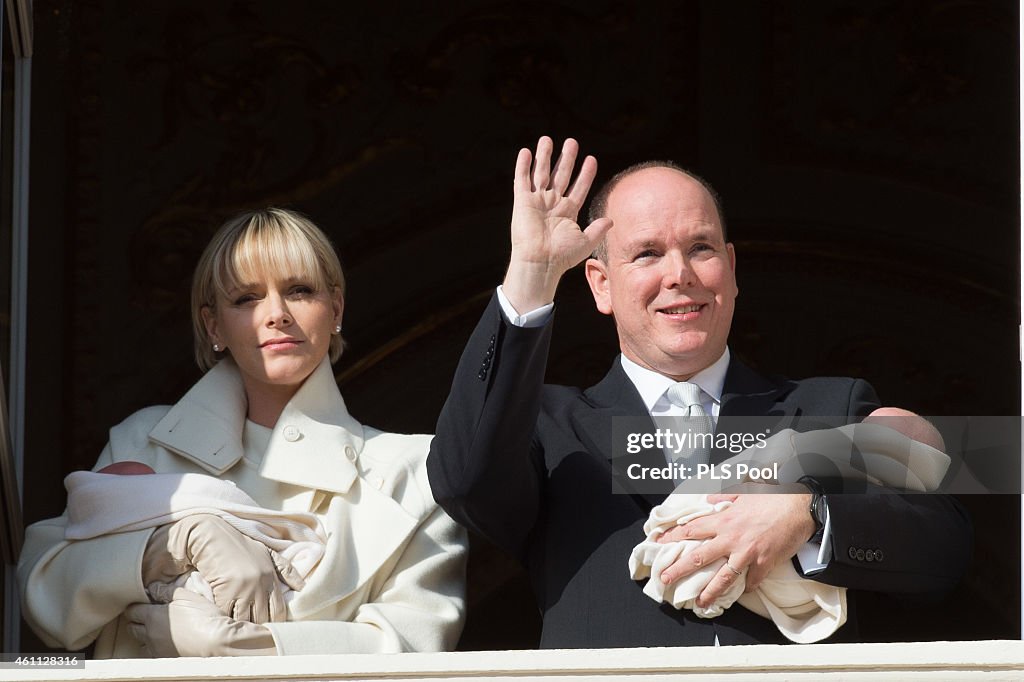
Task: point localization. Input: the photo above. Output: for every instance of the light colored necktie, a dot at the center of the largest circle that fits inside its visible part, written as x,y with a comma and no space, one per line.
687,396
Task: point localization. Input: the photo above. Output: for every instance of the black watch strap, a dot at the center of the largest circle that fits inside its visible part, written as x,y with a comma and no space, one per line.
818,507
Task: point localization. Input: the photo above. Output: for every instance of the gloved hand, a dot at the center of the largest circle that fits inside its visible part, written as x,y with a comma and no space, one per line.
190,625
241,572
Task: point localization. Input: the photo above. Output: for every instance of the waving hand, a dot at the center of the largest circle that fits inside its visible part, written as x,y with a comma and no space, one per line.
546,238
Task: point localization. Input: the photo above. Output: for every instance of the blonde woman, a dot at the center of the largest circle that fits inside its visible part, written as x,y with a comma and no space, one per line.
266,437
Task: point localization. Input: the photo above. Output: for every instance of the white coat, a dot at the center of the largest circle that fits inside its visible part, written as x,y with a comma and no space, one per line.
392,577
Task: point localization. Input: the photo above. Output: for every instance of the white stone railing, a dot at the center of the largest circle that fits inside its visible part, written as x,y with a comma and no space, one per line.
986,660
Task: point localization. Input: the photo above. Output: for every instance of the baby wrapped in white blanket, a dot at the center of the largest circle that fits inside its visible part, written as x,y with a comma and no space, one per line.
803,610
102,503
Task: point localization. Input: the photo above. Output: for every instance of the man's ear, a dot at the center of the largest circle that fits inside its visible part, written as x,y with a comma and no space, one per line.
597,277
210,321
732,264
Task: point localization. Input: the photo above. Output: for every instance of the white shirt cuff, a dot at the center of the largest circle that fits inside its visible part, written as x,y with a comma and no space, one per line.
813,557
534,318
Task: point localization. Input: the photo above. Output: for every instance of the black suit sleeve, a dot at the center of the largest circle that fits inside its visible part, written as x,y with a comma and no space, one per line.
895,543
485,469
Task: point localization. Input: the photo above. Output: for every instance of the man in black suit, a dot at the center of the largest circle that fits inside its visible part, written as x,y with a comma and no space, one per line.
529,465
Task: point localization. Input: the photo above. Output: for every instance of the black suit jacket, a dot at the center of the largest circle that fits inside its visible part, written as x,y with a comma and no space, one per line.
527,465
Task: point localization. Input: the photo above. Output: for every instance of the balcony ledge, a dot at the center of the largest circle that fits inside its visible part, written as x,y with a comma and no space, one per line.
988,660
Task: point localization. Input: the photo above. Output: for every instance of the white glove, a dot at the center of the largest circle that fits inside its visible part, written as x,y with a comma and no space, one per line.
190,625
242,573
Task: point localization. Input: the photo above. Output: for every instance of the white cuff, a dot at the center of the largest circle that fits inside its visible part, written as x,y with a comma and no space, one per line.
534,318
813,557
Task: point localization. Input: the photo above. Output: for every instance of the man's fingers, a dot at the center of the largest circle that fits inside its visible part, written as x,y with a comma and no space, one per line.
701,528
755,574
596,231
564,166
585,178
691,561
522,173
724,578
687,531
542,163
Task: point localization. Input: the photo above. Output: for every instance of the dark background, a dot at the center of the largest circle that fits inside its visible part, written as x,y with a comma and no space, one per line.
866,152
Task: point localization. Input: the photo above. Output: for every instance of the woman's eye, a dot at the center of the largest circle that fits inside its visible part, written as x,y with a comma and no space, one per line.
300,290
244,298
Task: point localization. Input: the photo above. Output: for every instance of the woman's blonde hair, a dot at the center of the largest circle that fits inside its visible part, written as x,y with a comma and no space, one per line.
251,245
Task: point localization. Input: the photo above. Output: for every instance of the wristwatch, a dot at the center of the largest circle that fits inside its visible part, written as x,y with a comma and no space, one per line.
818,507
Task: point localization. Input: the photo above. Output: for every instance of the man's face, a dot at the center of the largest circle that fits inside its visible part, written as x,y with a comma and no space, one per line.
670,279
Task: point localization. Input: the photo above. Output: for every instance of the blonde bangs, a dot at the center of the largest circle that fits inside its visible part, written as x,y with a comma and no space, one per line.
269,251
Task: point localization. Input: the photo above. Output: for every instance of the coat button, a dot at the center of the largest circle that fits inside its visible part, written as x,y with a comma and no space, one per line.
350,453
860,555
878,555
291,433
852,552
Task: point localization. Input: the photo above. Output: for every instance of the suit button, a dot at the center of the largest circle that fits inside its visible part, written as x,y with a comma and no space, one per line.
869,556
291,433
490,352
481,375
860,555
350,453
852,552
878,555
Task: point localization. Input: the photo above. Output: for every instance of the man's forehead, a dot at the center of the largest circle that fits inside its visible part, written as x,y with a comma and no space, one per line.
661,190
651,233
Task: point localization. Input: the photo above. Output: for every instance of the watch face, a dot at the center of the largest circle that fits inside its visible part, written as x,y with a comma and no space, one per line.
818,505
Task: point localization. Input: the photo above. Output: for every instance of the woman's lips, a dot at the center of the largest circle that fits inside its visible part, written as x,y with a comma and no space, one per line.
280,344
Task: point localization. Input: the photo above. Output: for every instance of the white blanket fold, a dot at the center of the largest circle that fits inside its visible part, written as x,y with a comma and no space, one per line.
101,504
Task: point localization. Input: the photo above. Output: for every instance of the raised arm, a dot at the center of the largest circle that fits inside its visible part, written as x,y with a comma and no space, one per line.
484,468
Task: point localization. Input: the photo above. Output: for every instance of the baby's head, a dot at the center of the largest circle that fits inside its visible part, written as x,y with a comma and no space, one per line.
909,424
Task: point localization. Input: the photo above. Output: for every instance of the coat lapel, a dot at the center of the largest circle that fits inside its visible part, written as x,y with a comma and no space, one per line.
616,397
205,426
315,443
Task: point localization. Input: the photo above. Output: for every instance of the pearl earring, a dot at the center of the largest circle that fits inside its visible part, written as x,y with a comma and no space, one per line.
337,329
216,348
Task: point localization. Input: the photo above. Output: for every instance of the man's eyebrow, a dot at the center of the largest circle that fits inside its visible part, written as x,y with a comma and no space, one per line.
640,244
708,235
